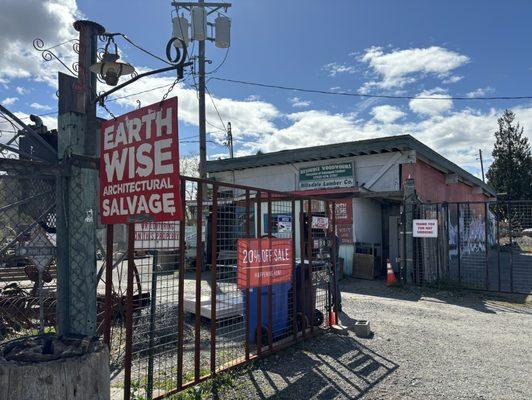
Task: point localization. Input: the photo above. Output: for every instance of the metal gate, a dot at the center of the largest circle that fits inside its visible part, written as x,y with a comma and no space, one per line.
176,311
480,245
28,272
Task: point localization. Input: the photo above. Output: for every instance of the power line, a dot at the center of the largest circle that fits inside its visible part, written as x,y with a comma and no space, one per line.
379,96
215,108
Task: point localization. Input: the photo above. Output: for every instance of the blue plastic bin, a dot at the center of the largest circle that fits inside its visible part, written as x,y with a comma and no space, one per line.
280,312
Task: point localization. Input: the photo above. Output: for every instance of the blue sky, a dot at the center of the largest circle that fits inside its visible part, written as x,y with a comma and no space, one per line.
429,48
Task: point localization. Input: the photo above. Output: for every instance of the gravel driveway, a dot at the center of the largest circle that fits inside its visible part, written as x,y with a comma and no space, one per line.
427,344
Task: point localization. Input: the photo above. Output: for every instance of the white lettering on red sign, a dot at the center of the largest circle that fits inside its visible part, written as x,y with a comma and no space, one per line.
139,166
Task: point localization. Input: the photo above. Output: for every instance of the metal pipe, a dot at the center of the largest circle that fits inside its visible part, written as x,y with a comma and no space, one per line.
214,228
129,309
259,288
108,286
248,235
181,287
270,294
151,335
301,275
199,265
310,247
294,280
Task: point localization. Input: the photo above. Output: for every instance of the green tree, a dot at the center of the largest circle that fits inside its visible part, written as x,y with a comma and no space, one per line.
511,171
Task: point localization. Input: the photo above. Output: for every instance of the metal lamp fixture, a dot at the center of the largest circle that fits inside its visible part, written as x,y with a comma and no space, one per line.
110,68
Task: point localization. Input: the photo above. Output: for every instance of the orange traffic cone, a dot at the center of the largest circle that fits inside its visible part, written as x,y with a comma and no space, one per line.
391,280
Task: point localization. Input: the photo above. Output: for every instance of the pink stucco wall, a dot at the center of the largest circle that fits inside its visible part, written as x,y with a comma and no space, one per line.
430,184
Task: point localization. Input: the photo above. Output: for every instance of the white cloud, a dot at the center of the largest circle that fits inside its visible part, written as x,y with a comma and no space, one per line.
39,106
9,101
299,103
22,22
20,90
457,136
452,79
334,68
387,113
423,104
480,92
251,118
400,67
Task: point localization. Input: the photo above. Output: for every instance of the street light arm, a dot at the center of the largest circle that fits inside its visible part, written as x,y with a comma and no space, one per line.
178,67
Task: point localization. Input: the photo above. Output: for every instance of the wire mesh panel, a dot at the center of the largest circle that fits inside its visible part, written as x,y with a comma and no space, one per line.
28,270
246,273
480,245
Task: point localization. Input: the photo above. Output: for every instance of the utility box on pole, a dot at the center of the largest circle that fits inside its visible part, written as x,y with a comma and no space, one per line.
77,211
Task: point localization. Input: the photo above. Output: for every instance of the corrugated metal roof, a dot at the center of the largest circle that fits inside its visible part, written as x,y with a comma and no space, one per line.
346,149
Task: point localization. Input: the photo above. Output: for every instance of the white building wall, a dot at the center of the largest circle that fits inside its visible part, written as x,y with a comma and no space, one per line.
285,177
367,224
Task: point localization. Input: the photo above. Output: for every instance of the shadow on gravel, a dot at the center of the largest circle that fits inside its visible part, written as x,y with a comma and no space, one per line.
325,367
480,301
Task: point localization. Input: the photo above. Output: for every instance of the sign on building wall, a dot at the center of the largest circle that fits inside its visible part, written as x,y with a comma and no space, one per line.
345,233
326,176
263,262
425,228
139,166
157,235
343,212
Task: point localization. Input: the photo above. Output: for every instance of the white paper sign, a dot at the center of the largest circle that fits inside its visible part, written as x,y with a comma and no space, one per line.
425,228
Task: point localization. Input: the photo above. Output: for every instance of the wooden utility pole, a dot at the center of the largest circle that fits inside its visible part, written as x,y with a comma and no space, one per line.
77,190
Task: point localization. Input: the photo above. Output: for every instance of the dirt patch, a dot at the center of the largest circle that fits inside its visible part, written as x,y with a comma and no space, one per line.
427,344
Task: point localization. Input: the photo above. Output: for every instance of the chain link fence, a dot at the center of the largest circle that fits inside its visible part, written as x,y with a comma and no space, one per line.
28,270
480,245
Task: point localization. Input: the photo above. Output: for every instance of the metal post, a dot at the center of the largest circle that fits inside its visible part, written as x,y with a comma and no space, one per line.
486,243
334,263
248,235
258,290
201,100
153,310
409,202
181,287
459,244
214,237
108,286
76,200
294,289
301,275
310,246
129,309
270,289
199,265
510,229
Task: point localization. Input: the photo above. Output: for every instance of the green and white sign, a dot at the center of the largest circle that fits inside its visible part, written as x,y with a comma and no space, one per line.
326,176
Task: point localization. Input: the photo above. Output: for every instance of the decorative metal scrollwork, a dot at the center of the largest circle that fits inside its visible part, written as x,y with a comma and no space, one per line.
180,56
48,55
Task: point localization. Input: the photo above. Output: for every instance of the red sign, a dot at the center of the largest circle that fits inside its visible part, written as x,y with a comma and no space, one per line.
139,166
343,211
263,262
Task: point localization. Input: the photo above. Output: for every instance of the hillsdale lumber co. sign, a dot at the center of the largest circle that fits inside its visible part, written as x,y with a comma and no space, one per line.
139,166
326,176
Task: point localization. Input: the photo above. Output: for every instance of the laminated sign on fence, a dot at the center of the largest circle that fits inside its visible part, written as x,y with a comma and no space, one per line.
425,228
263,262
139,166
